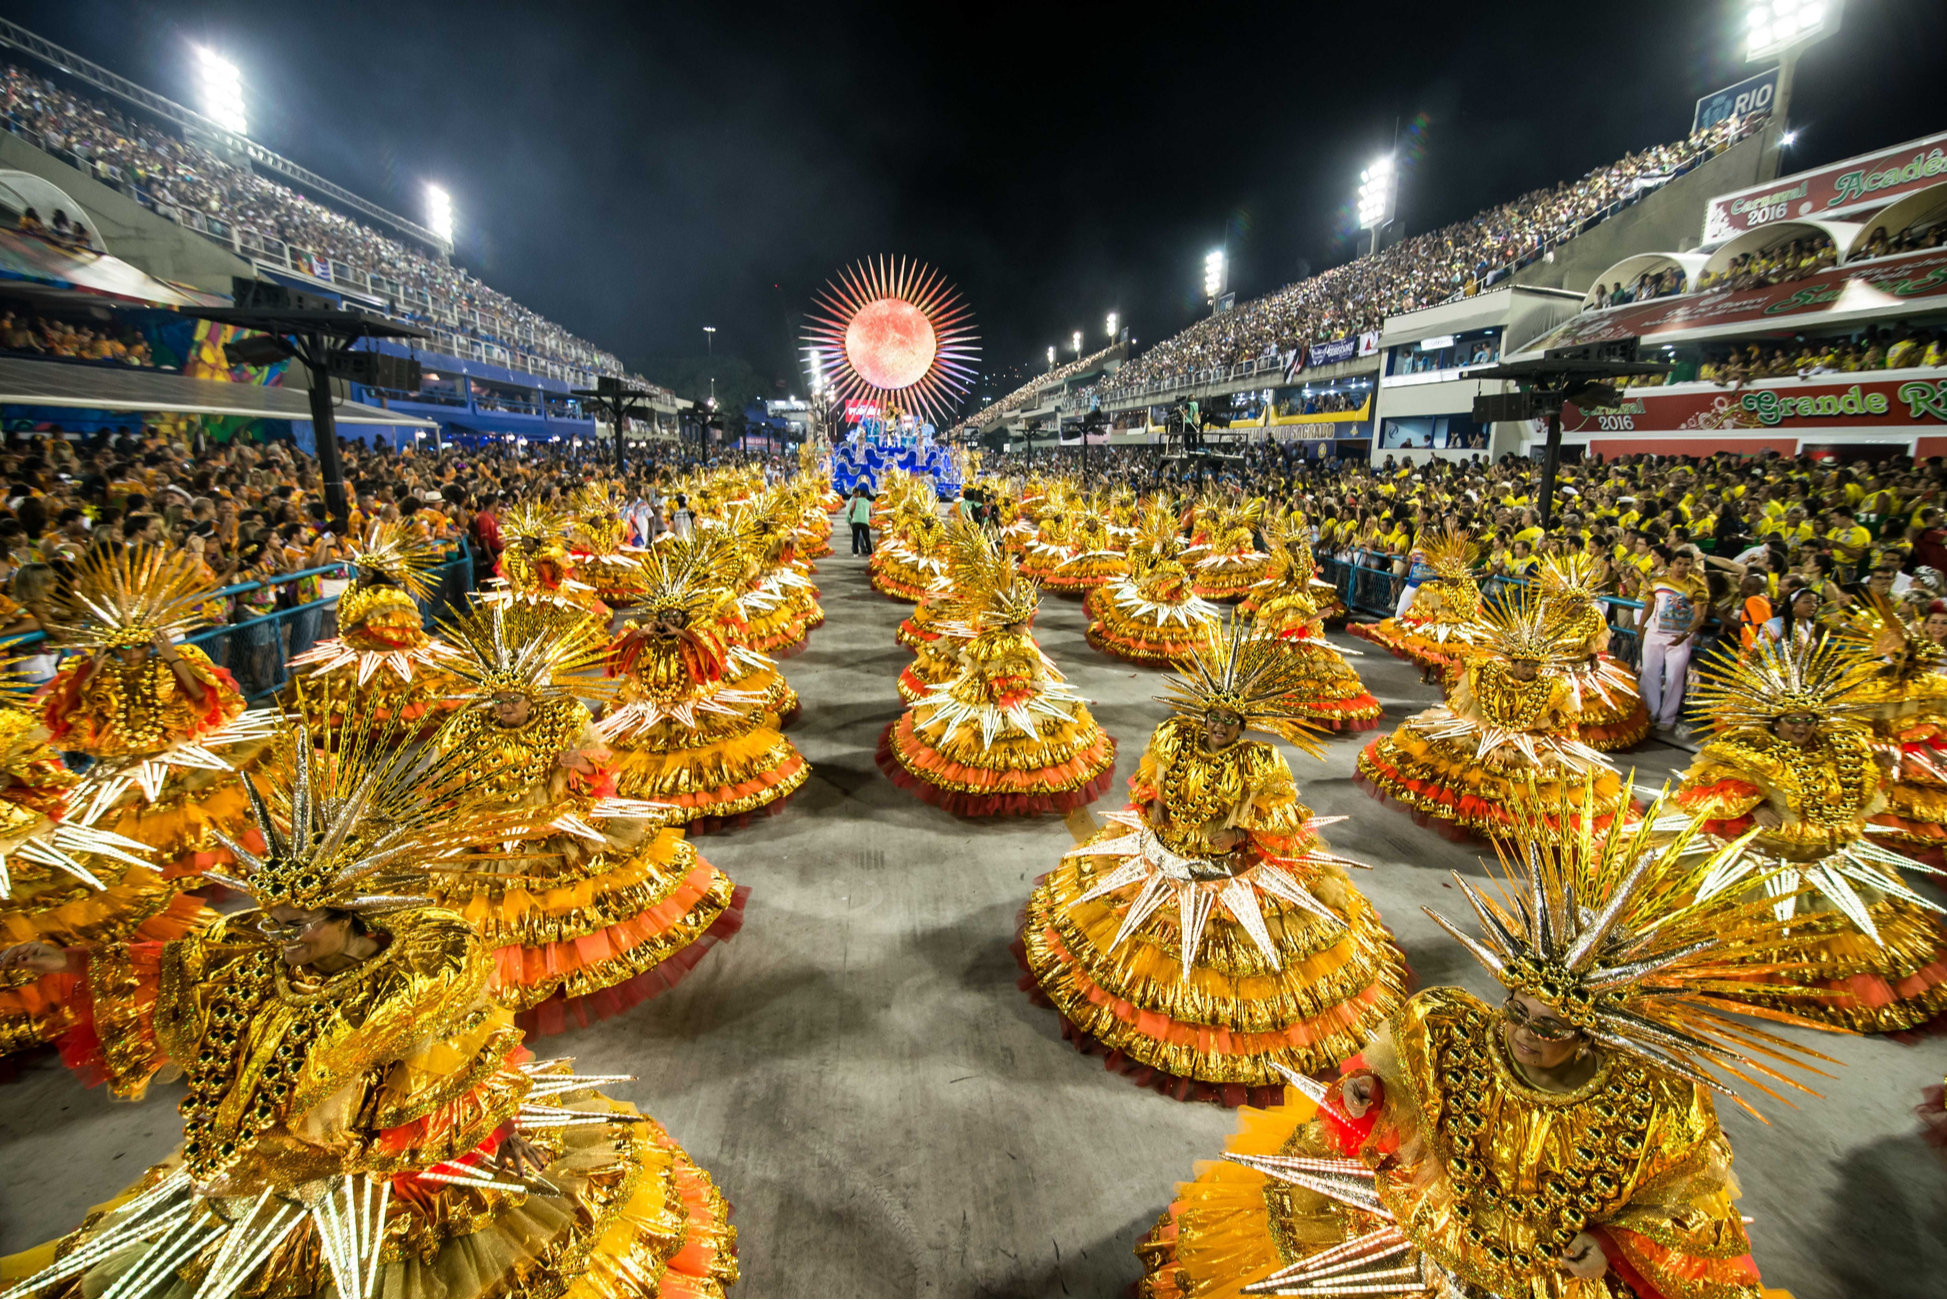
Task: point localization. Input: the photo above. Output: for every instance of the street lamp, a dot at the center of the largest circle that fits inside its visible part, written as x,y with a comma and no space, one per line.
439,213
220,87
1213,275
1378,197
1112,325
1782,29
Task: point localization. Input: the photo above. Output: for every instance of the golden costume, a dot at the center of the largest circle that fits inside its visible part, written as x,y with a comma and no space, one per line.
536,564
1433,630
1438,1165
910,558
383,656
1328,690
1909,718
683,734
1152,617
598,540
1609,710
1465,767
778,600
1007,736
1208,938
1093,558
166,750
1879,956
606,906
340,1120
1225,560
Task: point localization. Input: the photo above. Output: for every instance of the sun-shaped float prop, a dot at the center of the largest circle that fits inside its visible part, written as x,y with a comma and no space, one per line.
893,331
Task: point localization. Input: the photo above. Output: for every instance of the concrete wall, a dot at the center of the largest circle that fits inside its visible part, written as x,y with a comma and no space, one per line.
132,232
1668,221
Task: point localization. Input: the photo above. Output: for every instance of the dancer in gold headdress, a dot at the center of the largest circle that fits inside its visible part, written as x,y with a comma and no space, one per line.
536,563
1609,713
1152,616
62,882
1228,563
1093,558
1209,938
1329,691
166,728
1505,735
778,599
1908,691
1054,532
1790,762
682,734
605,906
1437,610
1007,735
382,655
361,1120
910,558
1564,1144
599,540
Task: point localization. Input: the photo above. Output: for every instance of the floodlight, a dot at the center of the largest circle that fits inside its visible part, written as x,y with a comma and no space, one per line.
220,87
1213,273
1788,139
1051,354
1773,27
1378,189
1112,324
1076,343
439,212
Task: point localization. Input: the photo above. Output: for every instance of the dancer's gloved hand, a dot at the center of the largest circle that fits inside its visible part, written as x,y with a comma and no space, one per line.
1584,1257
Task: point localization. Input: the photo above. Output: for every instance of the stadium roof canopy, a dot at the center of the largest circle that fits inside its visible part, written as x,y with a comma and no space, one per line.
106,388
45,268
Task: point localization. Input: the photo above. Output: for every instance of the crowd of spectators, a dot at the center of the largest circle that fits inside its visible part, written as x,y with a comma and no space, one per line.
1025,393
28,334
176,177
1420,271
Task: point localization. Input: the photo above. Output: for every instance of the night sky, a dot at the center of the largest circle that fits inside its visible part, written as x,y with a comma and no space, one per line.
636,173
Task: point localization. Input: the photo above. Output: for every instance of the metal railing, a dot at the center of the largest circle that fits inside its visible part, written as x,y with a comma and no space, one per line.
257,650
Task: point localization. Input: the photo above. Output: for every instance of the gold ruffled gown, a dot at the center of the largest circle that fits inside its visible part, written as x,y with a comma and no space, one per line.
1293,967
370,1098
1093,559
1610,713
1824,796
382,658
1006,737
1229,564
607,909
1331,694
1486,1177
1152,617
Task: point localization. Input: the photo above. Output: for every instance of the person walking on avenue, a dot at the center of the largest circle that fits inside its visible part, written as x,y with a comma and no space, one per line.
858,513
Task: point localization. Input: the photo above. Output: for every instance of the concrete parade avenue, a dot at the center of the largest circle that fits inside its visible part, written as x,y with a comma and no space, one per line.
890,1115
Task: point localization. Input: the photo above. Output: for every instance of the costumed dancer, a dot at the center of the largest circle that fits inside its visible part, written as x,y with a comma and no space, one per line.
1208,939
1093,558
1227,563
1790,761
1437,608
1563,1144
1909,695
778,600
1329,691
382,657
1505,737
598,539
61,882
166,728
1007,735
682,734
361,1119
1152,616
1609,711
604,906
1048,549
911,559
536,564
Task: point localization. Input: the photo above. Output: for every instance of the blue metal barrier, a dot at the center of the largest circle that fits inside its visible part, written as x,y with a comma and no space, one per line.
256,650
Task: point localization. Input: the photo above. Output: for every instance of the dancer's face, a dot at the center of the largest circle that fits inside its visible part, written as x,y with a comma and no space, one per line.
510,710
1797,728
1535,1035
1221,730
1523,670
306,936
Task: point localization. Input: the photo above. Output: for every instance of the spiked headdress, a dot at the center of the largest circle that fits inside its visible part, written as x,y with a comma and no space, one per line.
595,503
987,588
361,818
1774,679
129,597
530,521
1244,675
399,554
1571,575
1449,551
1876,628
542,651
1520,625
1614,933
689,576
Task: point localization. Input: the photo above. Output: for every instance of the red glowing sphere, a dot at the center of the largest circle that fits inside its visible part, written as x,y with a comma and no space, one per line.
890,343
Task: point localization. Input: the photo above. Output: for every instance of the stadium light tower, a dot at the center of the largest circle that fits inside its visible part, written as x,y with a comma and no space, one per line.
1112,325
1213,275
439,213
1051,356
1783,30
1076,343
220,87
1378,198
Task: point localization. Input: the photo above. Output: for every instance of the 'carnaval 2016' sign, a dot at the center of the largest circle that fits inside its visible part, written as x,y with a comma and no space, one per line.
1855,185
1794,404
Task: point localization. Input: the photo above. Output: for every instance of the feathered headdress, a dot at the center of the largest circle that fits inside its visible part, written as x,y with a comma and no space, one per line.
397,552
1448,551
119,598
1247,676
1521,625
595,502
1739,688
524,647
1609,929
359,817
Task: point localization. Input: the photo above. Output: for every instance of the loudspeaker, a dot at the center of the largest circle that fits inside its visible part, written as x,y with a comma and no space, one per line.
267,295
377,370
